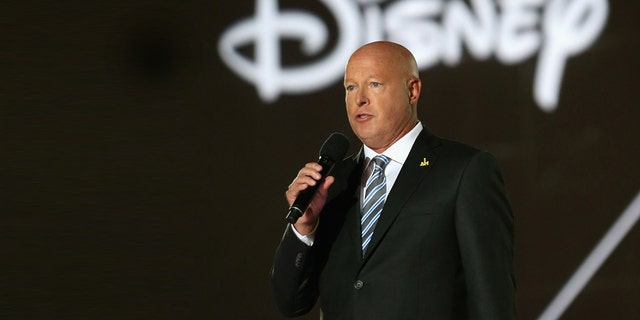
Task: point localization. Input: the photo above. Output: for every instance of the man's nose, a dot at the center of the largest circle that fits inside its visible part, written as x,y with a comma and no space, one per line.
362,99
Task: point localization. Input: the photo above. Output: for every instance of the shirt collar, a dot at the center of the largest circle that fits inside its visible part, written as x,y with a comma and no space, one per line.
399,151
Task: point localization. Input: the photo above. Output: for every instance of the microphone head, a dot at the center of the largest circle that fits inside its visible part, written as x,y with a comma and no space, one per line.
335,147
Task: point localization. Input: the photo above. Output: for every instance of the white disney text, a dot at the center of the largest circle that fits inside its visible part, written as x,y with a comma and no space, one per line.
434,30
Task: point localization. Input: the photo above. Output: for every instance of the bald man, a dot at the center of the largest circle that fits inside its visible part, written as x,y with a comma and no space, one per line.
412,226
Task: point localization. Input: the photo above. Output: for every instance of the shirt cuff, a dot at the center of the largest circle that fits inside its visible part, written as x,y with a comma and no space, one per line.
306,239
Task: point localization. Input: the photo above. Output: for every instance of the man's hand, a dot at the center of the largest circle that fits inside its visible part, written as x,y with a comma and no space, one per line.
309,176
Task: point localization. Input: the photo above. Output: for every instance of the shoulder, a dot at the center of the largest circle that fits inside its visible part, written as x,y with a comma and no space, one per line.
457,158
460,152
445,147
459,149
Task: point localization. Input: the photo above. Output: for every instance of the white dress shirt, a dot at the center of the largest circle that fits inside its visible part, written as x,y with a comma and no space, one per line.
397,154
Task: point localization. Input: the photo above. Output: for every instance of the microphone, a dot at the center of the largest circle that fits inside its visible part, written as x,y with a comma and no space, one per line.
332,151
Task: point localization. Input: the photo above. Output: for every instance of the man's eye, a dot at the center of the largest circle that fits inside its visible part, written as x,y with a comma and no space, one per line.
350,88
375,84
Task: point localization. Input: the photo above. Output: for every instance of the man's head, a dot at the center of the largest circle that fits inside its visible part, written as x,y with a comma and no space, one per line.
382,88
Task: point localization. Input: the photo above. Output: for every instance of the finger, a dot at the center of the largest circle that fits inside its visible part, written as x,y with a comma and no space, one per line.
311,170
313,166
302,183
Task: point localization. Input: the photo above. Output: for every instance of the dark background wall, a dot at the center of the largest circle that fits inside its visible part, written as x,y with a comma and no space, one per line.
143,179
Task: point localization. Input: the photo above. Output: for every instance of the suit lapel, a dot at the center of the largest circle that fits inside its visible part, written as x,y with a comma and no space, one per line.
352,221
421,157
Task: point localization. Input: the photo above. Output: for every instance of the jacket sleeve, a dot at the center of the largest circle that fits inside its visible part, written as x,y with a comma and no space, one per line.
484,226
292,279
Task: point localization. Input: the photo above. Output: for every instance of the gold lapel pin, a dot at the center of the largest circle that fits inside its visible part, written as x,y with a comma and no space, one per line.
424,162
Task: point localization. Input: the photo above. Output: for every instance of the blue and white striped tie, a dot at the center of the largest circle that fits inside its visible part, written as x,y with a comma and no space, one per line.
374,197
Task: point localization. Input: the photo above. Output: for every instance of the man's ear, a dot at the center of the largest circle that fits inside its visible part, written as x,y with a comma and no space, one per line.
414,86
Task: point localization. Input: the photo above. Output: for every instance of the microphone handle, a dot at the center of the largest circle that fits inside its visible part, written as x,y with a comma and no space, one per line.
304,198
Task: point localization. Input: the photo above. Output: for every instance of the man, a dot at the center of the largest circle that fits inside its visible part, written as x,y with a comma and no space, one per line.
437,242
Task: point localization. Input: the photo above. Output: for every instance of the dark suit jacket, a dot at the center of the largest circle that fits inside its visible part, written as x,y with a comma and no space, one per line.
442,248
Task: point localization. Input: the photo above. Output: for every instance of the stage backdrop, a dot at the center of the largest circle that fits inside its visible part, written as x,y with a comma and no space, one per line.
148,144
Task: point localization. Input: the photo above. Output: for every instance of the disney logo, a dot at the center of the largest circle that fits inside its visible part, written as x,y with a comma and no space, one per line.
434,30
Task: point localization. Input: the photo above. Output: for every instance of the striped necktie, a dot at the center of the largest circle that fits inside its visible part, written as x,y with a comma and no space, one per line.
374,197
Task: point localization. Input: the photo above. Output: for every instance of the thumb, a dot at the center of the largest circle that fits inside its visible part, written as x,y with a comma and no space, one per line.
328,181
322,189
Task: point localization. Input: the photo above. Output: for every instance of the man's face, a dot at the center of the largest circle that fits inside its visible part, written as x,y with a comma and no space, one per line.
377,98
